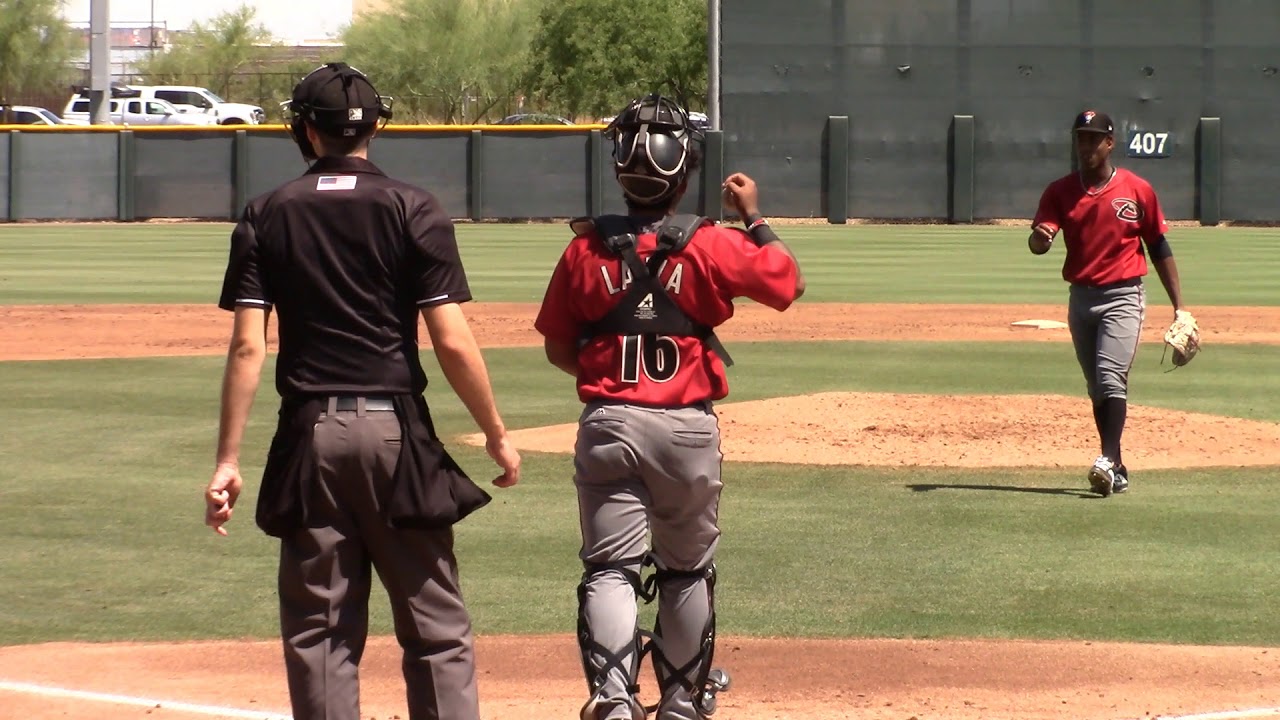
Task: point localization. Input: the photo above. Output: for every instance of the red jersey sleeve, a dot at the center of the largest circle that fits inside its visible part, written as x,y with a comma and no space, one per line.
1049,212
1153,223
557,318
764,274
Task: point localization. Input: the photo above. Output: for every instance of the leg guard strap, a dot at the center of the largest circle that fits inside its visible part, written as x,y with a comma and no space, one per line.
588,646
669,676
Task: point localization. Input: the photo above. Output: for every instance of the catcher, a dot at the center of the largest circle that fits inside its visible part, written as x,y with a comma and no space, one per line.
1107,215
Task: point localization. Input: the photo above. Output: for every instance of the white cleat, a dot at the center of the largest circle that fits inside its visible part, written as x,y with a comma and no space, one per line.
1102,476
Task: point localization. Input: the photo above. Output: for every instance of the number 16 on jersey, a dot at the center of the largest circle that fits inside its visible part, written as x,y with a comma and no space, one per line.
658,356
1150,144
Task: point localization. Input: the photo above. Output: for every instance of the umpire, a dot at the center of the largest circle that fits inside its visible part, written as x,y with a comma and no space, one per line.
356,478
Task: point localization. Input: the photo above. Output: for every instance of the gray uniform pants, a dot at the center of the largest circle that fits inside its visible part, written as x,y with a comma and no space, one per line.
325,579
641,470
1105,324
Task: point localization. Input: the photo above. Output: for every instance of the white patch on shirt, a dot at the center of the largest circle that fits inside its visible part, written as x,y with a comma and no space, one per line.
433,299
336,182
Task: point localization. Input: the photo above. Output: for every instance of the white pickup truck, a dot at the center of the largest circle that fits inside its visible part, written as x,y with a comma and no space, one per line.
194,100
134,111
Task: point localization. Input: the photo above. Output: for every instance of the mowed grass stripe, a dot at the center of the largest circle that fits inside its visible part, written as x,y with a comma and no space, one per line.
100,512
105,263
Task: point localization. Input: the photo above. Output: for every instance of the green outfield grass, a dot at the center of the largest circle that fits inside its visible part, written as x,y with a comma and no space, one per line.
104,463
171,263
100,512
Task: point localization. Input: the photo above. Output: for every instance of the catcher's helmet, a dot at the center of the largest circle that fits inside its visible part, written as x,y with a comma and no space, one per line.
336,99
654,149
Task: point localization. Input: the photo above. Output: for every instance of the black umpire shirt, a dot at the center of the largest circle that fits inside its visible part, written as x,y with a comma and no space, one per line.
348,257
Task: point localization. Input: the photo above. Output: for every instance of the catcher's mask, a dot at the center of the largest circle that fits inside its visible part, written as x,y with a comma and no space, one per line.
653,149
336,99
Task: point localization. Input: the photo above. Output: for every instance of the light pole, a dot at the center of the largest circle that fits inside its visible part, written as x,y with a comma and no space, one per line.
713,64
99,62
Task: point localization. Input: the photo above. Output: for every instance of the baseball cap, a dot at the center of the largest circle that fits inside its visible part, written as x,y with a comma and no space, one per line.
338,99
1091,121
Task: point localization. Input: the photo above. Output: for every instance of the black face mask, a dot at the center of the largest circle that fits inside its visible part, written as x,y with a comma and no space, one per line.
650,162
664,150
651,148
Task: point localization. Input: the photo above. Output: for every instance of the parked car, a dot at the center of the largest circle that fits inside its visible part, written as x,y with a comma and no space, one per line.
190,99
30,115
134,111
533,119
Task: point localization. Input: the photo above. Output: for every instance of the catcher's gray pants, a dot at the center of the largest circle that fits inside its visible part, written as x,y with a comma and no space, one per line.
1105,324
325,578
641,469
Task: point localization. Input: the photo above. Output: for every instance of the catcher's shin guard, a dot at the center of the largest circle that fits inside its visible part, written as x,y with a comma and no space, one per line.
697,676
627,662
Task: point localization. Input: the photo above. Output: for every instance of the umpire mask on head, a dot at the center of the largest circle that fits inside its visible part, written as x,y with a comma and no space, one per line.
654,149
337,100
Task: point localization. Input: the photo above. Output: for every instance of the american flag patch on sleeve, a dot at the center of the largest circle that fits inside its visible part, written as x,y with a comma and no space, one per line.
336,182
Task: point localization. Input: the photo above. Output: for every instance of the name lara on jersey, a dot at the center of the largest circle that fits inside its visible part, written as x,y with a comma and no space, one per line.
623,273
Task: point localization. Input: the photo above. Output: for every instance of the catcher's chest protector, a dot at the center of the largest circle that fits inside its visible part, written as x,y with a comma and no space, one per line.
646,308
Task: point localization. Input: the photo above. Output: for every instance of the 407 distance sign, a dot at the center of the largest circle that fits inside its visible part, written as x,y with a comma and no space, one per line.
1149,144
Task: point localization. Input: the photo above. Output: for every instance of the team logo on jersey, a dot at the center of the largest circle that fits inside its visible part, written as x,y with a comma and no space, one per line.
1127,210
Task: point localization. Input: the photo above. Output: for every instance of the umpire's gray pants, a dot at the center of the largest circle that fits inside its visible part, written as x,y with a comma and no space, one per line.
641,469
325,579
1105,324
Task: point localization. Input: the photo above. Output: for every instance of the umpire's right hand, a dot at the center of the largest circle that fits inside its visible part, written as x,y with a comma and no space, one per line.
221,495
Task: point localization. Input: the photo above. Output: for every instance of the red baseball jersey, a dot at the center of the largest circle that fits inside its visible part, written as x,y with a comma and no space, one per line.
703,278
1103,228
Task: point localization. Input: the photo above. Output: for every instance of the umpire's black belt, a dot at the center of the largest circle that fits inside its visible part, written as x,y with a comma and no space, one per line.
372,403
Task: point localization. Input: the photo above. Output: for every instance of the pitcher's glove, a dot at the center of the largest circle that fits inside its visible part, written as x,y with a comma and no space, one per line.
1184,337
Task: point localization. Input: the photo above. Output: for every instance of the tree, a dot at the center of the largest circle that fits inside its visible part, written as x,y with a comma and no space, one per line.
451,60
213,54
592,56
36,46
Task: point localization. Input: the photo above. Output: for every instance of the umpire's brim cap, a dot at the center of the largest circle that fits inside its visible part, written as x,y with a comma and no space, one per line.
336,98
1091,121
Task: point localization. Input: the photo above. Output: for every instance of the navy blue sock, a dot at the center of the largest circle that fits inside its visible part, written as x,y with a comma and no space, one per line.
1110,415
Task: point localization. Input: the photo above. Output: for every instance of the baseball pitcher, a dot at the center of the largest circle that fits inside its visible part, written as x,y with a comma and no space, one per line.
1106,215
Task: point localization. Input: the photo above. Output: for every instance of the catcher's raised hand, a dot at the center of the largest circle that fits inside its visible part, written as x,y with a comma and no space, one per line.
741,194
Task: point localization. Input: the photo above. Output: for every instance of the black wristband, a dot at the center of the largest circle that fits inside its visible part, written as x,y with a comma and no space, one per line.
760,233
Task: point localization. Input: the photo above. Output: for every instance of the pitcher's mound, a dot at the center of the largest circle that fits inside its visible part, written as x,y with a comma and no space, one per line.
959,431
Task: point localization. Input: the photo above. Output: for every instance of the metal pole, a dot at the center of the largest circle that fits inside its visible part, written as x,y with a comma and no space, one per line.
151,31
713,64
99,62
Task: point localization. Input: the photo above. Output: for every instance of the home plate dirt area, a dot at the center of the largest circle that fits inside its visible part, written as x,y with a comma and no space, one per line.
537,677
